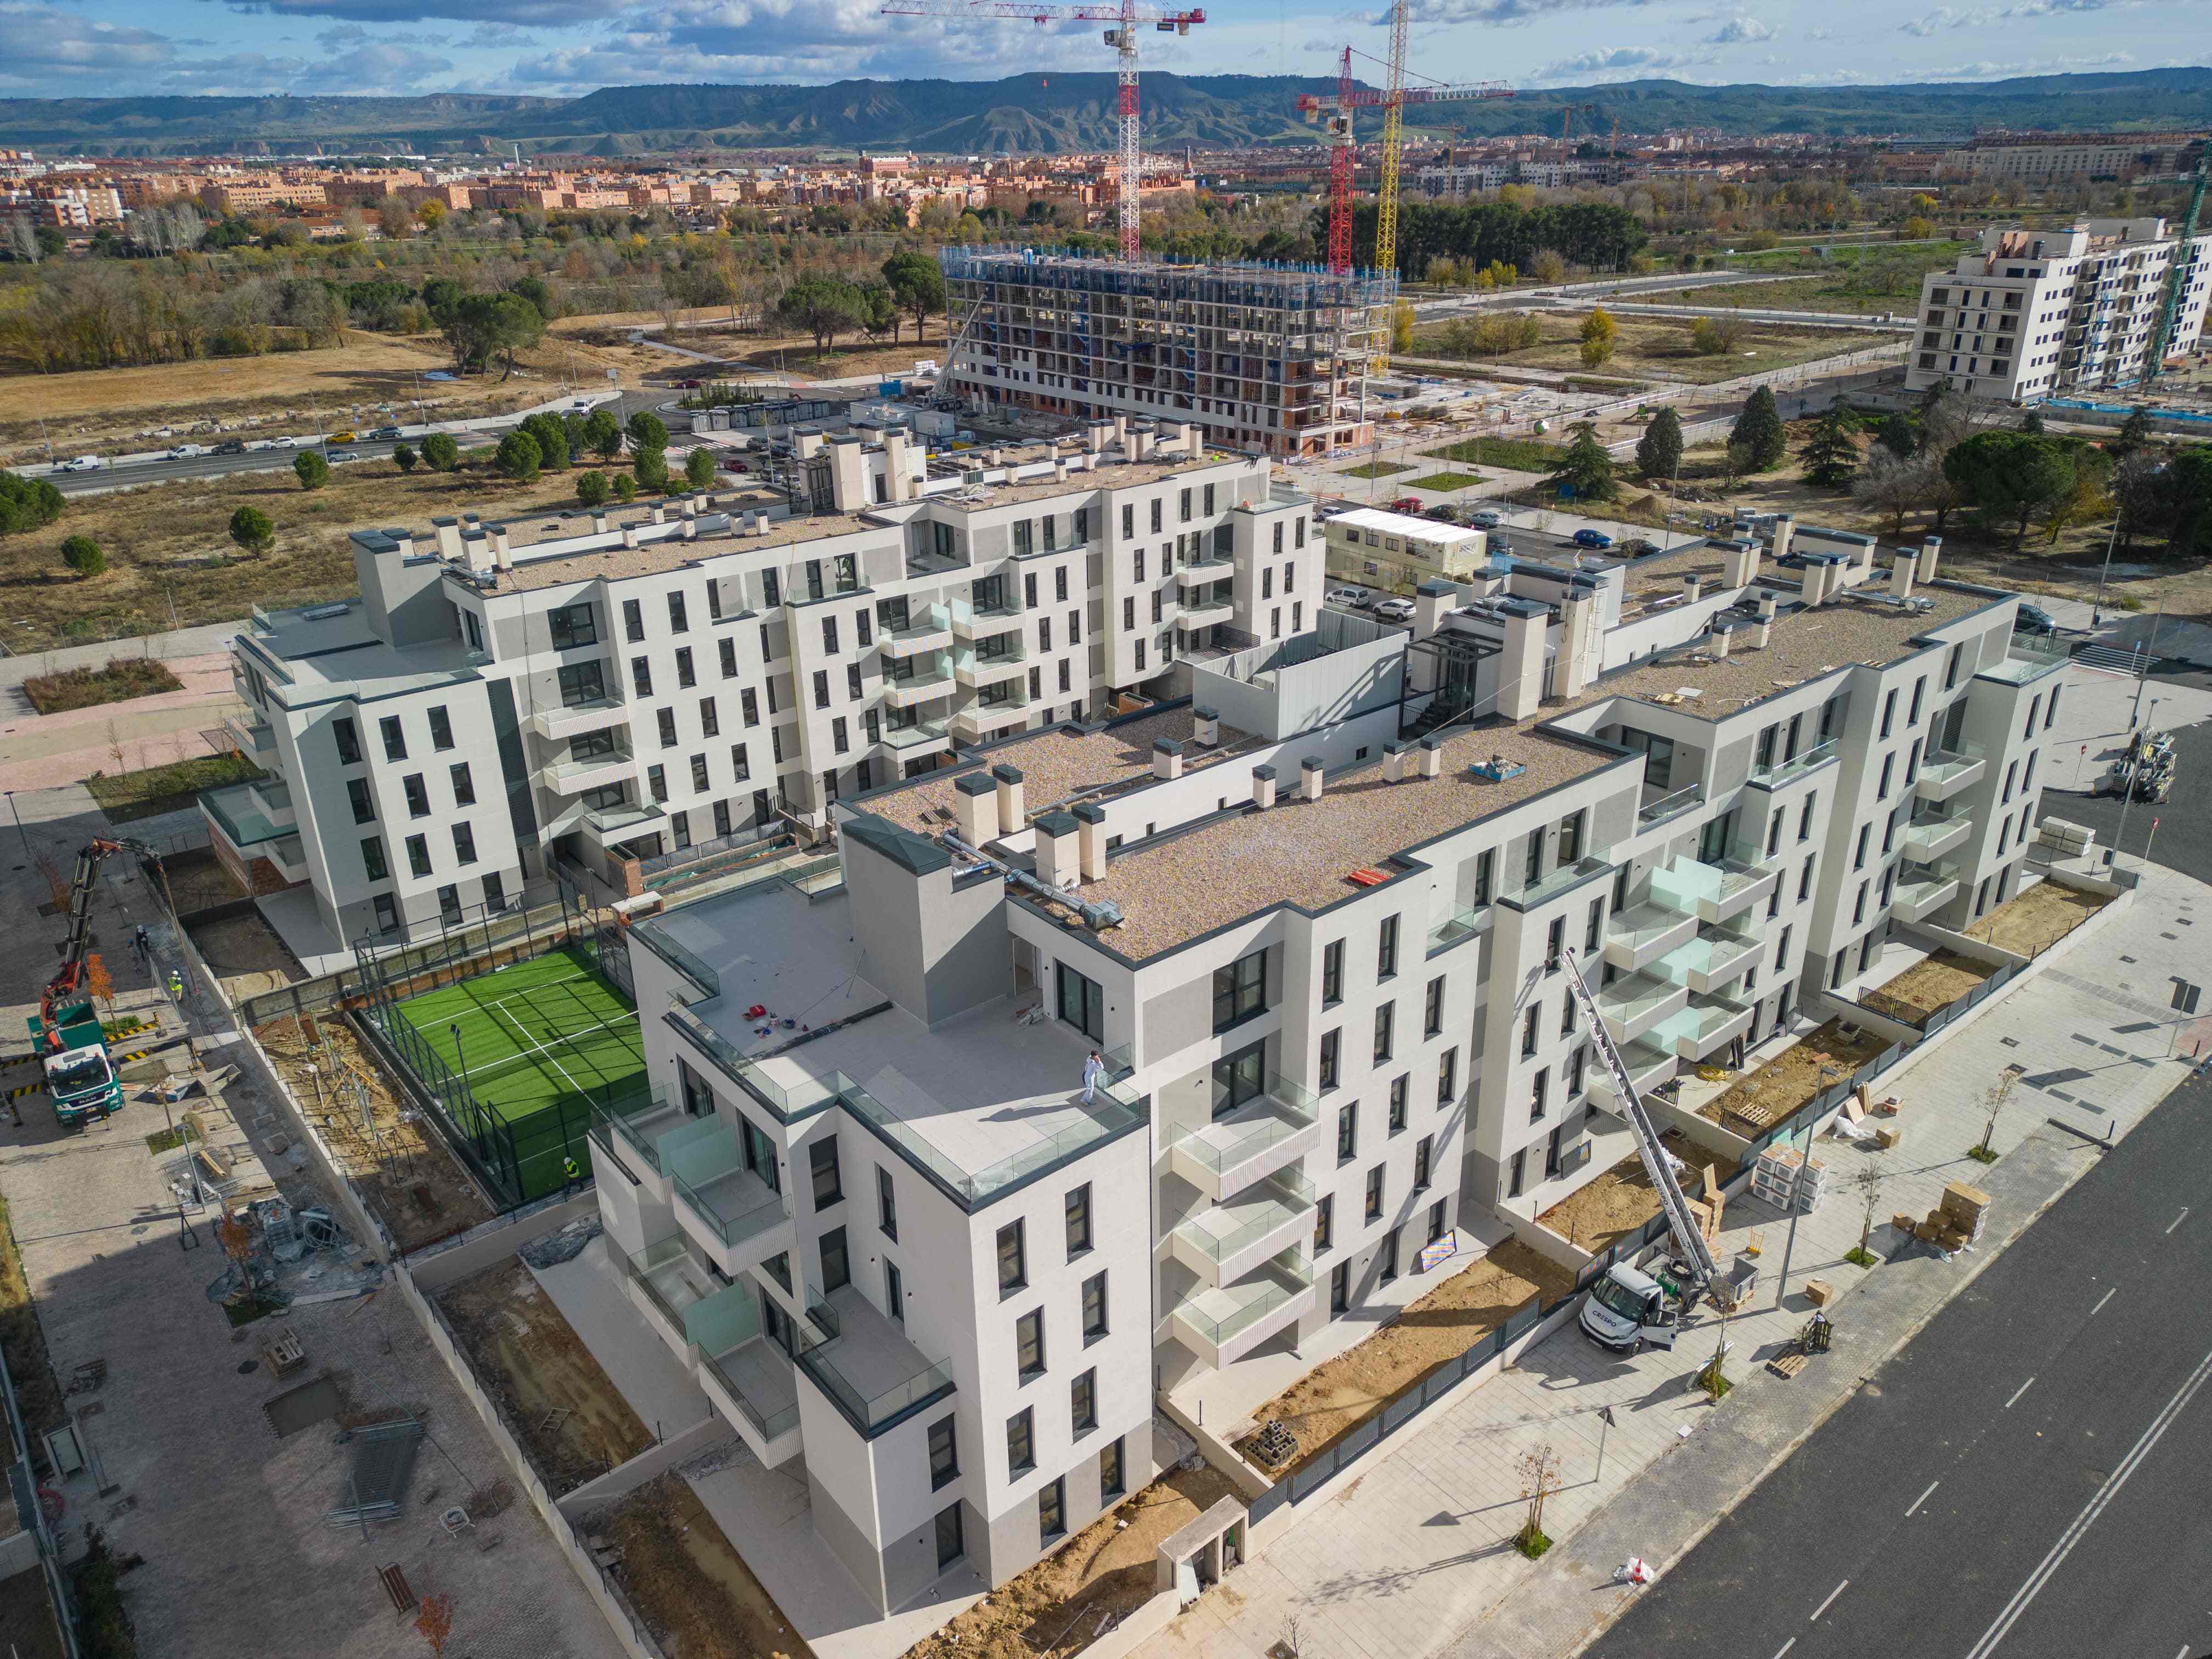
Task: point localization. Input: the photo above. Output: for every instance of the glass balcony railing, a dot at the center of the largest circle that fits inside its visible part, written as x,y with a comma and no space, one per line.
635,1125
1642,926
1670,806
1286,1199
1565,879
238,810
655,937
1941,766
1459,924
1628,1000
1221,1315
1288,1098
864,1363
1774,776
923,734
732,1372
735,1205
1106,1116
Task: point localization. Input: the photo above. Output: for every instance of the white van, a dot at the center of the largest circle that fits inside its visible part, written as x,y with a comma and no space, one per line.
1628,1309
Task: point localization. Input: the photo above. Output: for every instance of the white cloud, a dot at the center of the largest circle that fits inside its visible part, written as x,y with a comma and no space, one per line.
39,43
1618,62
1738,30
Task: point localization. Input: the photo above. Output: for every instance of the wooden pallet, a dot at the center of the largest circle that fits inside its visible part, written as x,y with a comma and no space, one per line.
1787,1364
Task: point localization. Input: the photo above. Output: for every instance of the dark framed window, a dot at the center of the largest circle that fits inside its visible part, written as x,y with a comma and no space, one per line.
1448,1076
1331,1043
1433,1008
465,785
1239,1079
1021,1442
418,855
418,795
828,1182
464,844
1113,1479
886,1204
1398,1089
387,914
364,805
1422,1154
1094,1307
449,905
1324,1222
1052,1501
1240,990
395,740
1386,1266
1375,1193
1385,1020
1076,1209
573,625
1014,1260
952,1542
633,621
1386,949
1340,1288
1083,1403
441,728
1331,973
348,742
943,1453
1348,1133
581,682
837,1264
372,858
1029,1344
1082,1003
894,1291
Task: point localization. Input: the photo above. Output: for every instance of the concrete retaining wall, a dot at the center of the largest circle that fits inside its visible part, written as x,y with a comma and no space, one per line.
1828,1006
625,1478
1699,1130
491,1242
1935,938
1553,1247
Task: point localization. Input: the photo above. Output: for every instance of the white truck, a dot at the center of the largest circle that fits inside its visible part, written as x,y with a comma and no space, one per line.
1628,1308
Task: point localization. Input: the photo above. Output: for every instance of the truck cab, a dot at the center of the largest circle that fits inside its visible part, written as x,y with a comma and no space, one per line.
79,1079
1627,1308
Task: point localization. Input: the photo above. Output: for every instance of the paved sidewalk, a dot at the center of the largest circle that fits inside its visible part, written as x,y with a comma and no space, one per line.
1413,1556
202,641
46,751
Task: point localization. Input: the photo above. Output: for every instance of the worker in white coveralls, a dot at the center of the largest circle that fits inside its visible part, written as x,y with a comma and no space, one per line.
1094,1073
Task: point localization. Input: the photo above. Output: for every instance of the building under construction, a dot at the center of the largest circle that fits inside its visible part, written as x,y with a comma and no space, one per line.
1261,356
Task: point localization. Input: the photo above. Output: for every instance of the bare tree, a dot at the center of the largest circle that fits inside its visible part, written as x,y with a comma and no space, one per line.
1868,1182
1540,1478
1995,1099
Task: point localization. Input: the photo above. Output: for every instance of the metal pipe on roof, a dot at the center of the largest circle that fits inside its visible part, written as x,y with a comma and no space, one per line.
1102,915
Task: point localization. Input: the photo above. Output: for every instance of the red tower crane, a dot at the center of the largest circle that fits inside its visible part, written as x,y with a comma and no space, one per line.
1122,38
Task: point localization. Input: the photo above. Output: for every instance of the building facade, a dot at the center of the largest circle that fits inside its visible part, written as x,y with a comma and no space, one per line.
1398,551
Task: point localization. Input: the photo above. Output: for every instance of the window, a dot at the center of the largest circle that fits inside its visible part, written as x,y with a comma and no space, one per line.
387,914
1577,1065
1240,990
1888,713
1094,1307
418,855
1398,1090
372,858
656,779
1113,1480
1021,1443
1082,1003
1331,973
943,1453
1013,1261
1540,1092
633,621
364,807
710,721
836,1266
1805,879
749,706
1919,690
641,676
1567,1014
1571,838
464,843
1447,1077
1555,944
1888,764
1348,1133
1029,1344
1375,1193
1331,1043
449,905
1594,930
1386,951
1156,517
828,1184
1052,1505
1423,1152
1077,1210
841,738
1782,950
1082,1402
665,725
1385,1017
1529,1021
1532,863
1432,1009
441,729
951,1544
1482,868
1340,1288
1805,818
1324,1222
1859,853
581,683
348,742
894,1291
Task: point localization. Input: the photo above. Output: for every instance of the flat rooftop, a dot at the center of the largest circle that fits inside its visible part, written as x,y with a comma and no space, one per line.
1173,890
329,652
980,1100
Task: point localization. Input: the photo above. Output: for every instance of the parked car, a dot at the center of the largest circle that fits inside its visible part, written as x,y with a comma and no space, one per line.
231,446
340,455
1485,518
81,464
1446,514
384,432
1407,504
187,452
1394,611
1636,547
2034,619
1592,538
1352,598
345,435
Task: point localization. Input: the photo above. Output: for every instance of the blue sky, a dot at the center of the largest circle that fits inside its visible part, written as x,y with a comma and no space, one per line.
95,48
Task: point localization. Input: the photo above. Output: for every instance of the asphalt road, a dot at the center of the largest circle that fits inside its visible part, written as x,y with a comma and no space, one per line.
1427,309
2183,839
2025,1479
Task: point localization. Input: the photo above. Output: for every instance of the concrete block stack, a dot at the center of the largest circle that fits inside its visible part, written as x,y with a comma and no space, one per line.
1775,1179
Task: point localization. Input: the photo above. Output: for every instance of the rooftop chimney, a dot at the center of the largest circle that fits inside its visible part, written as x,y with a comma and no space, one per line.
1430,763
1900,576
1058,855
690,526
404,541
1930,550
1785,530
848,474
499,550
1394,760
660,513
629,535
974,803
1309,777
599,524
898,486
1263,786
476,550
1577,632
1009,783
1717,641
1167,758
1742,563
1521,664
449,536
1091,843
1693,584
1761,631
1205,728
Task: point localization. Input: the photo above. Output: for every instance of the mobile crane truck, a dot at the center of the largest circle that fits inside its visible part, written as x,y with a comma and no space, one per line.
66,1033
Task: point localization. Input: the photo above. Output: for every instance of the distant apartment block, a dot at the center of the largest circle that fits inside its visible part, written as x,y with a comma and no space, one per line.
2037,314
2052,158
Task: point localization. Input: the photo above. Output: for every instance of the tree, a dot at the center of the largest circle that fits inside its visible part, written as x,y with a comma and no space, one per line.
1401,327
1585,471
1868,1183
1715,336
440,452
251,529
698,467
519,457
313,469
2010,476
1917,230
1894,485
1758,431
1659,450
27,503
917,284
434,1623
823,306
1896,434
2134,431
647,431
551,439
99,983
1995,1099
482,327
651,466
879,311
603,433
403,457
1540,1470
82,554
1600,334
592,489
2032,422
533,290
1831,454
625,488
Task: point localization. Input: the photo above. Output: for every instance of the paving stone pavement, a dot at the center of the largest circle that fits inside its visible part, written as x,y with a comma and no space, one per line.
1411,1556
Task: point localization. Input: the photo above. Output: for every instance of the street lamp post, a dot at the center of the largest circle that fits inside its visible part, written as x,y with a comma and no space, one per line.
16,812
2097,611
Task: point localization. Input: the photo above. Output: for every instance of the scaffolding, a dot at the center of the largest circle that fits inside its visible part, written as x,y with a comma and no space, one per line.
1261,356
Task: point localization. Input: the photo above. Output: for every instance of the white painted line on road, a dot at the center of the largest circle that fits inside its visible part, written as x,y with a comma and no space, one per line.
2178,1220
1823,1607
1792,1642
2019,1391
2101,1301
2033,1585
1922,1498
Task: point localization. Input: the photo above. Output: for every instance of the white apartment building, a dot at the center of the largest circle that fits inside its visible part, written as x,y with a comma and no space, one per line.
650,680
2054,158
2037,314
1315,923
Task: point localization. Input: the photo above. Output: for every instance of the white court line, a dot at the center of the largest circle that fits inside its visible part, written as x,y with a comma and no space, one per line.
1922,1498
2095,1507
2178,1220
2101,1301
1823,1607
2019,1391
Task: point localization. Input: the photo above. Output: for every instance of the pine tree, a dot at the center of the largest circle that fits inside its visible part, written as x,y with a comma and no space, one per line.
2134,431
1659,450
1832,452
1897,436
1585,471
1759,432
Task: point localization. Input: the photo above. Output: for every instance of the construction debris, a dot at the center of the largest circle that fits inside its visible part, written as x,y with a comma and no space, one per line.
563,1245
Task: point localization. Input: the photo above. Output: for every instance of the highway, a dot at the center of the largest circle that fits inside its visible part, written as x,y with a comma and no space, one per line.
1571,293
2025,1479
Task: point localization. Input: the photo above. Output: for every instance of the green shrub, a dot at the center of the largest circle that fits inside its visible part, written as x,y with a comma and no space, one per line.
82,554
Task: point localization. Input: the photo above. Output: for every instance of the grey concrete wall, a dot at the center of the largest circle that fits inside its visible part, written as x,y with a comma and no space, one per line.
846,1542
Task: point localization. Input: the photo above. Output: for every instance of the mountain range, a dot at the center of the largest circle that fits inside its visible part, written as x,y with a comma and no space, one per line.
1037,114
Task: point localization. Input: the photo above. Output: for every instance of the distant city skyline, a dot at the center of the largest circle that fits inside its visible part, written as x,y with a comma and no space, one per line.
121,47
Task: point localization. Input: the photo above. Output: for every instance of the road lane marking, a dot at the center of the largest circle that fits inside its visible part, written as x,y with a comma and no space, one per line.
2101,1301
1792,1642
2178,1220
2019,1391
2032,1586
1922,1498
1823,1607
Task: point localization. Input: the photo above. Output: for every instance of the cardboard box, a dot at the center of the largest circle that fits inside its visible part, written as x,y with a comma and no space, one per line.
1964,1205
1887,1136
1904,1222
1819,1293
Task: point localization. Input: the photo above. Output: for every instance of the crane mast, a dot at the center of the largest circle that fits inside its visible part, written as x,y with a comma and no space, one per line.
2155,363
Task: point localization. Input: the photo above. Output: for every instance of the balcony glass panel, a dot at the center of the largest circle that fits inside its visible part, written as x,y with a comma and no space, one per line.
1222,1315
1566,877
1773,777
865,1362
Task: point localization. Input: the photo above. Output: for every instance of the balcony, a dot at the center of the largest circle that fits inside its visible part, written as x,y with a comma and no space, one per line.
1222,1242
274,796
1789,771
752,1386
638,1138
1203,608
911,742
237,811
737,1220
1922,889
1702,1027
931,678
570,718
975,671
1205,572
1712,892
255,739
1458,926
1632,1006
972,623
1658,808
2028,657
1262,1136
929,631
1222,1323
1563,879
1947,772
1716,957
577,777
1640,935
865,1363
1647,1067
289,857
980,720
1931,835
622,821
666,1280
